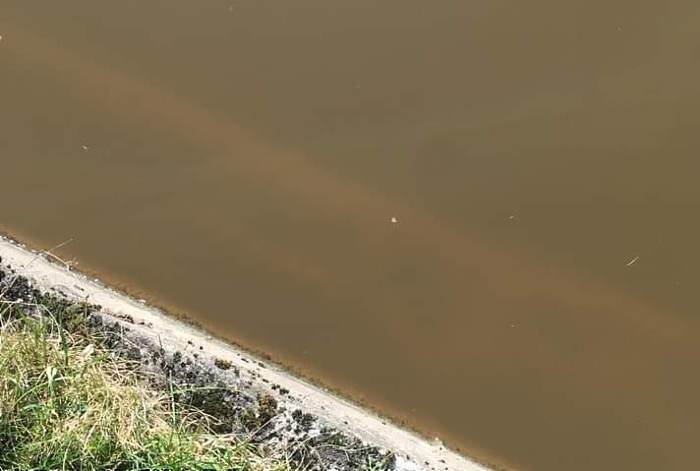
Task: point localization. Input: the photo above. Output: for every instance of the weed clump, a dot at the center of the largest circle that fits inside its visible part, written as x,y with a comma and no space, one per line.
68,402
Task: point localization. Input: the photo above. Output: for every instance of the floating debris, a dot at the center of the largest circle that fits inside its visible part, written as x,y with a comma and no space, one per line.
393,220
633,261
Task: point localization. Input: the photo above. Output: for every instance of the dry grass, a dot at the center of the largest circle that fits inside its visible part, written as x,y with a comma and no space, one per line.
65,403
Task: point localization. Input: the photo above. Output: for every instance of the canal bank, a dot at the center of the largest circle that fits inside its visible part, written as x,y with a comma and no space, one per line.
300,408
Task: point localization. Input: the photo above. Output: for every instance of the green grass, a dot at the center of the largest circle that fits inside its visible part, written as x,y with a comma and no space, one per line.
66,403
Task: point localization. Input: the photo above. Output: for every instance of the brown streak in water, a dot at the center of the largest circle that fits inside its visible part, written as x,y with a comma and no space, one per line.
279,170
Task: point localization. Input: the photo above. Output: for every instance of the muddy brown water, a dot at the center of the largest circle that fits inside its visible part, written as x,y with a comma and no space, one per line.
535,302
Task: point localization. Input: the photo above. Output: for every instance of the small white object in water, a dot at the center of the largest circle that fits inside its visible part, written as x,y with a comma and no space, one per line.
85,147
633,261
394,220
